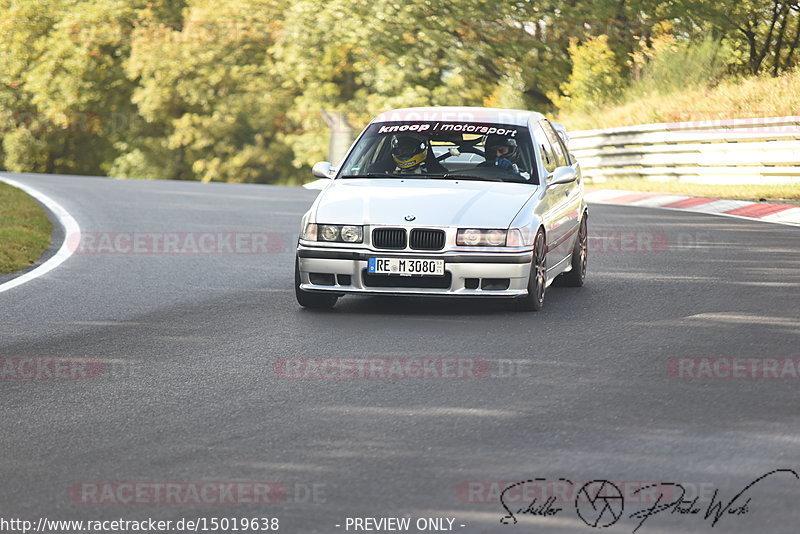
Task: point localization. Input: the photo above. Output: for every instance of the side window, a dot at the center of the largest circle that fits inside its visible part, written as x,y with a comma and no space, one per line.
548,155
562,158
372,158
563,142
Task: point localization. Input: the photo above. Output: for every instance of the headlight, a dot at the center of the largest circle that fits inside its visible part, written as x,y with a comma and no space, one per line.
496,238
473,237
469,237
334,233
351,234
328,232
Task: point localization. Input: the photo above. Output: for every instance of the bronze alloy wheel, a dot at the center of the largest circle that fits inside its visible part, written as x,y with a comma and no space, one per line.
580,255
537,282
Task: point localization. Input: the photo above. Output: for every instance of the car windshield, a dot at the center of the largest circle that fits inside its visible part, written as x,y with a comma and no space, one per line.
442,150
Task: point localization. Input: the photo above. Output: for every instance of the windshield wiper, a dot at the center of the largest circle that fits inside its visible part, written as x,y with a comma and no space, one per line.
372,175
451,176
397,175
446,176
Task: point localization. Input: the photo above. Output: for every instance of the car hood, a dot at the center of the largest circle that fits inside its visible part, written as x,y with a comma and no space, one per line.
383,201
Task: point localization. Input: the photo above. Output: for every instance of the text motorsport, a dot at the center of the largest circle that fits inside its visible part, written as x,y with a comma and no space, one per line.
400,524
439,127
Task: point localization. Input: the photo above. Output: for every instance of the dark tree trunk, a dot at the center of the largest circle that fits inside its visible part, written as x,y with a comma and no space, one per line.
795,41
776,64
750,35
768,39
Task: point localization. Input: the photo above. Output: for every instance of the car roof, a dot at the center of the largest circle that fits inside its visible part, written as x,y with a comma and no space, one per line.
516,117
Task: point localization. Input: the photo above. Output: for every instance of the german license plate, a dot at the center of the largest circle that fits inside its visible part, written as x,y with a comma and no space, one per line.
406,267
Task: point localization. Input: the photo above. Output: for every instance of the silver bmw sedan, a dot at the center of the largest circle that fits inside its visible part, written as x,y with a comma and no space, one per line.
447,201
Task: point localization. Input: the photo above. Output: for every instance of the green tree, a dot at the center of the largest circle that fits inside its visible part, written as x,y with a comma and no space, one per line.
210,105
363,58
22,26
596,76
64,84
766,31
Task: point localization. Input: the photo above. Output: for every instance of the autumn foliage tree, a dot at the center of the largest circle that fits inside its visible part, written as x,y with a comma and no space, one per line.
241,90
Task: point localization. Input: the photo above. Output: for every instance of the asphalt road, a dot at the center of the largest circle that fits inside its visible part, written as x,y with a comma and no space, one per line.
188,393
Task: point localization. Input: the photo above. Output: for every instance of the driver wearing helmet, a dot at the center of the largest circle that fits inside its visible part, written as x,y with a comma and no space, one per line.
501,152
412,154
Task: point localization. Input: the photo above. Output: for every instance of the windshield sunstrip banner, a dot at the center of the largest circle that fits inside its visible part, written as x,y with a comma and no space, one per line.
448,127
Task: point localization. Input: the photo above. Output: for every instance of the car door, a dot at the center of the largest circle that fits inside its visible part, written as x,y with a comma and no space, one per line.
571,191
555,218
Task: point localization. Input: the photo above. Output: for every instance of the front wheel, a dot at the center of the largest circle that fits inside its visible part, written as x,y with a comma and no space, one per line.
308,299
537,282
576,277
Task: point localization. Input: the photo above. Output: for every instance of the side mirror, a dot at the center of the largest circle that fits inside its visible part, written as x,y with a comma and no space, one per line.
323,169
562,175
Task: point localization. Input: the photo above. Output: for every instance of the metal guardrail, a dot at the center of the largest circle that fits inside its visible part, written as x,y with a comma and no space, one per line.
733,151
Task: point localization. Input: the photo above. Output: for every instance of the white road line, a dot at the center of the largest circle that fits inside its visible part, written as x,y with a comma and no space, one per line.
66,220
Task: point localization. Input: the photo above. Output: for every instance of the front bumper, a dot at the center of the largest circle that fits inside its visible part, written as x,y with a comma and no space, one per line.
344,271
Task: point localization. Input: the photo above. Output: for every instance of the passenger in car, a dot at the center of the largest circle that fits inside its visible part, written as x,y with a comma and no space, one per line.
501,152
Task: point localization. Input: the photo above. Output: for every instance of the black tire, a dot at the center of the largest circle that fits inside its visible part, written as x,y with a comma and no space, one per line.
580,253
537,282
308,299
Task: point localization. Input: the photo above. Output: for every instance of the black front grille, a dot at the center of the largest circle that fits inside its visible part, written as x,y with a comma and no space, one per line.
424,239
389,238
394,280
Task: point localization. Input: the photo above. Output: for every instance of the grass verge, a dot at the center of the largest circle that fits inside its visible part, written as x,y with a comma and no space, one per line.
738,98
789,194
24,230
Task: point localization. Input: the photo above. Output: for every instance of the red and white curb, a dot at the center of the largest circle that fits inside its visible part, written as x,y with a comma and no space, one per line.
761,211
